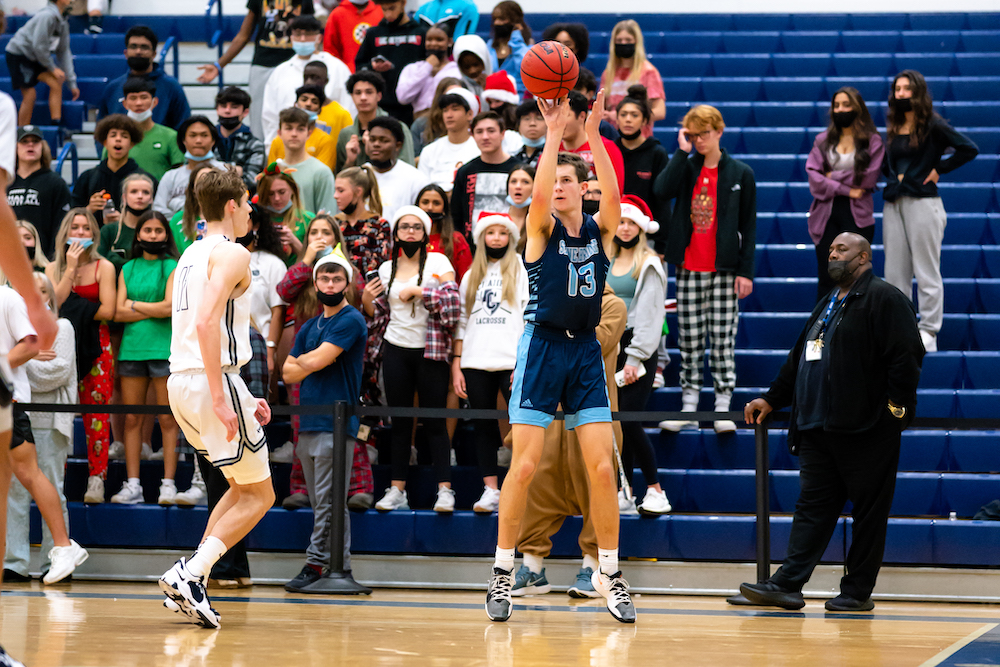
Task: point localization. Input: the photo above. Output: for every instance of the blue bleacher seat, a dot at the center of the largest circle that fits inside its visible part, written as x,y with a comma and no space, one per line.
820,21
974,451
794,89
981,170
787,114
977,41
751,42
968,228
788,140
692,42
978,64
870,41
942,370
777,294
924,450
939,40
982,370
967,197
879,21
986,138
761,22
682,88
863,64
875,90
734,89
937,22
107,66
801,64
690,22
984,332
741,64
735,114
690,64
811,42
774,167
928,64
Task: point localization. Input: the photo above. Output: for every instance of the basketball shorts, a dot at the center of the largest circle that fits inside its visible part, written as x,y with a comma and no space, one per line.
554,369
244,458
23,71
21,433
6,418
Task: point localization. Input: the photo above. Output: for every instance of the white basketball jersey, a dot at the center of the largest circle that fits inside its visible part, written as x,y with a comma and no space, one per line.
190,279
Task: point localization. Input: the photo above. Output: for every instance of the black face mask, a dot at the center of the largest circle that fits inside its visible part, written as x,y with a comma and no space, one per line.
436,218
626,244
230,123
398,21
31,251
839,270
631,137
440,54
411,248
902,105
382,165
844,119
624,50
153,247
332,300
350,208
496,253
503,31
138,63
247,238
590,206
137,211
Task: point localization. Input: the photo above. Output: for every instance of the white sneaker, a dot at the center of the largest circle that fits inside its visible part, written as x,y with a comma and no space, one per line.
129,495
394,499
722,405
658,381
929,340
63,560
187,592
626,505
445,500
168,492
283,454
503,457
95,490
154,456
146,452
488,502
689,403
655,502
117,450
193,496
615,591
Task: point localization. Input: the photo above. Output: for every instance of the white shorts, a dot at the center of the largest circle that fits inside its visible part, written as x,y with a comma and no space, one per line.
243,459
6,418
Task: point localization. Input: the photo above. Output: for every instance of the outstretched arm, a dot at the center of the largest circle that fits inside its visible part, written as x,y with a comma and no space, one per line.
539,222
610,212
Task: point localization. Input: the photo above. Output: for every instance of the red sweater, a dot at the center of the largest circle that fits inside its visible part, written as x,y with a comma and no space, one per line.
462,259
346,28
616,160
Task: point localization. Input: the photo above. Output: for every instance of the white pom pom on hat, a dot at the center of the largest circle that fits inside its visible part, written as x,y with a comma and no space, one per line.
636,210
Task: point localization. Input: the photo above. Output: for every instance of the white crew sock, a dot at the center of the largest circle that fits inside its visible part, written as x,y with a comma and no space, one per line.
689,400
533,563
207,555
133,482
722,402
608,558
504,559
591,562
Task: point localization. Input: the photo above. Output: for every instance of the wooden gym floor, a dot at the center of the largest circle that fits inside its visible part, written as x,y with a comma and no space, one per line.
112,625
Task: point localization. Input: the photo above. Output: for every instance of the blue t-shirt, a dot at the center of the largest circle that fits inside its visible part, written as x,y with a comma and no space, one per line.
567,281
341,380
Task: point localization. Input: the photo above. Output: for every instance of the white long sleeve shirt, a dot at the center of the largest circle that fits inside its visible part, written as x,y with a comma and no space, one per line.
491,331
279,93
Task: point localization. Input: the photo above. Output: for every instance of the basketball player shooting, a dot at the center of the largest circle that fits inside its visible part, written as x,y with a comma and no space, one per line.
219,416
558,357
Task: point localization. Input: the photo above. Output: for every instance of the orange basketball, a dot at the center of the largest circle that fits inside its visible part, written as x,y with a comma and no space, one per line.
549,70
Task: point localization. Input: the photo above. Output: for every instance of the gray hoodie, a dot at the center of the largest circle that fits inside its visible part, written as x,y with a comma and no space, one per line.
475,45
45,33
646,313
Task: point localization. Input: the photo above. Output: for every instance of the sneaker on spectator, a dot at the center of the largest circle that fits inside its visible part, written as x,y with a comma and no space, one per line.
64,561
503,457
117,450
527,582
193,496
583,586
626,504
658,381
168,492
394,499
929,340
95,490
283,454
146,451
131,494
12,577
445,500
308,575
360,502
154,456
488,502
296,501
654,502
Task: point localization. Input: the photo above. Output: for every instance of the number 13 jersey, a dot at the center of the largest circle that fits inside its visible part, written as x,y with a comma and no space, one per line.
567,281
190,280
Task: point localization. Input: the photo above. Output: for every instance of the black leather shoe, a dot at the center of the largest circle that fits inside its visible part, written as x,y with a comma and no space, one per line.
307,576
770,594
12,577
844,603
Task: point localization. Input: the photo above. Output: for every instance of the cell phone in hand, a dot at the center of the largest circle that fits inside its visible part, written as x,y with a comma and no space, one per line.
371,275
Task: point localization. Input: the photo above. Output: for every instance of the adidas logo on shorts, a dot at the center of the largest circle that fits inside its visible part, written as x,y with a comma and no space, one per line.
526,403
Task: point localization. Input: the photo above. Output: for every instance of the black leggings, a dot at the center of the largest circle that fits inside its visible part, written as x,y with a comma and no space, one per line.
634,397
407,372
482,388
841,220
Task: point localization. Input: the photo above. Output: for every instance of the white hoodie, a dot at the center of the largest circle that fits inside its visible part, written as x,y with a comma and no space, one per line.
491,332
475,45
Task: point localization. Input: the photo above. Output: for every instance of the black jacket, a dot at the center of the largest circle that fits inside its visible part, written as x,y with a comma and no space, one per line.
875,357
244,149
736,210
922,159
80,312
642,166
102,178
42,199
400,45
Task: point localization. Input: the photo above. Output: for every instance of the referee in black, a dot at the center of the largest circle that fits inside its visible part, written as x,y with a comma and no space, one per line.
851,381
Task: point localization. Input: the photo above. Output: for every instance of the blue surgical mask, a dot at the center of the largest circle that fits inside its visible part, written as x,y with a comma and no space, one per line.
195,158
312,116
279,211
304,49
86,243
324,252
533,143
511,202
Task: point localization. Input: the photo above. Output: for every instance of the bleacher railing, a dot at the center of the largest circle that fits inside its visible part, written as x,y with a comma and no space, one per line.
171,46
216,40
69,150
340,581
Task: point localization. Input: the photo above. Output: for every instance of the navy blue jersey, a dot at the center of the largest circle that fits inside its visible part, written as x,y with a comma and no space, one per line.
567,281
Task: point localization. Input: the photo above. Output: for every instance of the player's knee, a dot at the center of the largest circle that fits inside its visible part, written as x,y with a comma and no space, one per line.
604,474
523,471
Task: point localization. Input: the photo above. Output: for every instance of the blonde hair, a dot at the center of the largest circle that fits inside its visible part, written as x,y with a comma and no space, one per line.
41,260
614,62
508,272
42,280
89,255
125,183
703,116
364,178
639,254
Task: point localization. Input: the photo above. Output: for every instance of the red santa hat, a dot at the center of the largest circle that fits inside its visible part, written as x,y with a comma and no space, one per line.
487,219
501,86
636,210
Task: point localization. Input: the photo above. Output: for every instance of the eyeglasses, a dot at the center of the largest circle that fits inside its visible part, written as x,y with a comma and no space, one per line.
410,228
700,135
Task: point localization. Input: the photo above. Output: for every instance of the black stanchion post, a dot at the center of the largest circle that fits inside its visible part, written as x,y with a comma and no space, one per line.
763,502
337,581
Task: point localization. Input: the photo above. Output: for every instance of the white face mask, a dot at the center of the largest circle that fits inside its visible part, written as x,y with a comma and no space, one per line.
142,116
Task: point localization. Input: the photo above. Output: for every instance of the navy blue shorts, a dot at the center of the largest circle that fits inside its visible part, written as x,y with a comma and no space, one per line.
553,369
